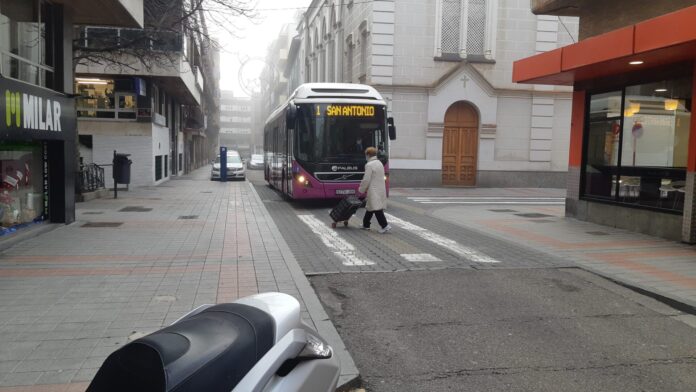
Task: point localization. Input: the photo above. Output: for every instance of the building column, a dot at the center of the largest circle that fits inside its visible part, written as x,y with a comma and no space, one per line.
577,128
689,217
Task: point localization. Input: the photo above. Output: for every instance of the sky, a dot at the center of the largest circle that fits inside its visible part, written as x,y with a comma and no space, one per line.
252,40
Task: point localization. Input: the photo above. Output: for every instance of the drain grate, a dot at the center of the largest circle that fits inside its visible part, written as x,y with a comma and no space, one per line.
597,233
543,221
102,224
503,210
188,217
207,192
534,215
93,213
135,209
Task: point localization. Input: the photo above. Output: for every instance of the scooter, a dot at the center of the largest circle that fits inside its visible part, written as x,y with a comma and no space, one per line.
255,344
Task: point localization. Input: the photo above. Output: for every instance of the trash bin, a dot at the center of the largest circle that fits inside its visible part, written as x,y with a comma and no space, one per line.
122,168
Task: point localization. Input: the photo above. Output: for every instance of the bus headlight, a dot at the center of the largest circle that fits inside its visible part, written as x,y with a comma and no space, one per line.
304,181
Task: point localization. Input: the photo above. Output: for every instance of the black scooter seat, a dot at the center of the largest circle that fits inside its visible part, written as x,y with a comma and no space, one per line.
209,351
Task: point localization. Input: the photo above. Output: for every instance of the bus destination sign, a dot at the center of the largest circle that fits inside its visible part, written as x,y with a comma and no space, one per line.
348,111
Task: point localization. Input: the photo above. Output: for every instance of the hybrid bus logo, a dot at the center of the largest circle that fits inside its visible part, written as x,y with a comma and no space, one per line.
28,111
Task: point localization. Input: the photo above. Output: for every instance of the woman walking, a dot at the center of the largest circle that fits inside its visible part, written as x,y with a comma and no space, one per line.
373,183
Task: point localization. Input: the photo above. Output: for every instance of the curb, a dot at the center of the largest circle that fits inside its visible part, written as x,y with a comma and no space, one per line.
349,372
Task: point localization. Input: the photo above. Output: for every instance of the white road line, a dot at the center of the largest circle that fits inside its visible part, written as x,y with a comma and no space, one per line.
445,242
340,247
536,203
484,198
419,257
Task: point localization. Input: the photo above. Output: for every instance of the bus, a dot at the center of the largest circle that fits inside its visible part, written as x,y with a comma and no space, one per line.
314,144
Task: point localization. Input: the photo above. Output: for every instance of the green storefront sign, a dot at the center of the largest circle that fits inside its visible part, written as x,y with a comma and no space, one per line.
30,112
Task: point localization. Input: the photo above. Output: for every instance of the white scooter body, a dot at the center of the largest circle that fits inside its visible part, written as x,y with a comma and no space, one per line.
298,360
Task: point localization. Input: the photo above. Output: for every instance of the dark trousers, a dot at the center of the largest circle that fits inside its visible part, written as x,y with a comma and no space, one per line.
380,218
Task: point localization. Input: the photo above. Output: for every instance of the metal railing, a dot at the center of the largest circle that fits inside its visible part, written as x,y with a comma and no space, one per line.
90,178
145,39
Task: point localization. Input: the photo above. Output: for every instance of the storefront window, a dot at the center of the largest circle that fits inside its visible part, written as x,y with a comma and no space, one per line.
602,155
26,41
98,100
22,192
636,152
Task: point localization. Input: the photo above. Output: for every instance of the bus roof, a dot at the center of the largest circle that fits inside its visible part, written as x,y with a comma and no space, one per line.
336,90
327,92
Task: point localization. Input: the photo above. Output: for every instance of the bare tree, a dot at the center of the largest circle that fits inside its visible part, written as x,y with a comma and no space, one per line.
167,22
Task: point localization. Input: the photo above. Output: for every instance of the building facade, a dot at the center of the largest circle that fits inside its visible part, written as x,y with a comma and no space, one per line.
237,124
632,157
444,67
38,129
160,113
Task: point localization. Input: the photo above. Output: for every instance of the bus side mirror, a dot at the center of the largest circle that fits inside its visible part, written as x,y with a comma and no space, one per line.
392,128
290,115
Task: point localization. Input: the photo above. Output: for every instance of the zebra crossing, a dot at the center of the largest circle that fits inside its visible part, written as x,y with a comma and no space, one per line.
488,200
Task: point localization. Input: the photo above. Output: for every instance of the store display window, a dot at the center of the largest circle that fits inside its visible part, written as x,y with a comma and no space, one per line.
22,189
636,145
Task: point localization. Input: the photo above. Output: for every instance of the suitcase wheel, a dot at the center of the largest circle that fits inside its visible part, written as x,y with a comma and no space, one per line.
345,224
333,225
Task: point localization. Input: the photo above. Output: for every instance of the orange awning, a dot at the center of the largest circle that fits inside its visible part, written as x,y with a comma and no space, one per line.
660,41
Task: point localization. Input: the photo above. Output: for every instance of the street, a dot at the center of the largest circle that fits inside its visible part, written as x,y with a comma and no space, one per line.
450,307
456,297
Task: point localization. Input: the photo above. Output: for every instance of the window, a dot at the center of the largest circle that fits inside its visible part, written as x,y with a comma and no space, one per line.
349,59
27,41
363,56
22,190
637,145
465,29
158,167
97,99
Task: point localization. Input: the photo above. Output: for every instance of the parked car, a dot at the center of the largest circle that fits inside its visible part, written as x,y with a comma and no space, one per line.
256,162
235,167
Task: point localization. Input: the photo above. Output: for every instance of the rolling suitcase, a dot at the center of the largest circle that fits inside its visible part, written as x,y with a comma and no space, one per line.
344,210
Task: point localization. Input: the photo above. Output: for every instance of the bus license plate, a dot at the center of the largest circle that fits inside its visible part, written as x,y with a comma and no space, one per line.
345,191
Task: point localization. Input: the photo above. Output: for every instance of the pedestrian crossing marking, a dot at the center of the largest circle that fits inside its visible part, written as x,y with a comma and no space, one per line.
419,257
343,249
488,200
451,245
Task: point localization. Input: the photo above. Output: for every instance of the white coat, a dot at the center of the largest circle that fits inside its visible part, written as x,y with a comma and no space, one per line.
374,184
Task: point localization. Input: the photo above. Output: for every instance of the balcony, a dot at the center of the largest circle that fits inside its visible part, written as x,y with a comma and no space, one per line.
557,7
125,13
169,67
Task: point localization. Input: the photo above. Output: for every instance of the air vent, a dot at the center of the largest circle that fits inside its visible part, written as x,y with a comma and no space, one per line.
534,215
102,224
340,90
135,209
343,97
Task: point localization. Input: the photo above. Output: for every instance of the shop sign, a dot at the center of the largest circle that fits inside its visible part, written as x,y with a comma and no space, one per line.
25,108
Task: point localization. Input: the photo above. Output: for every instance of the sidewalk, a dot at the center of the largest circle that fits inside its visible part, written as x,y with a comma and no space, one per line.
127,267
661,267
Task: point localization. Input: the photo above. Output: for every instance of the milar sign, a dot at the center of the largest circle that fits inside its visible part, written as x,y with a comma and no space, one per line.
31,112
24,107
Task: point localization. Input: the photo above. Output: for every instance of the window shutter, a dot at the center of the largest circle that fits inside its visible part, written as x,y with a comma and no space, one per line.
451,26
476,27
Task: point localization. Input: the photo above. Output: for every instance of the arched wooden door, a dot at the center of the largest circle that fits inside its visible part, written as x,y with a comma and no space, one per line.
460,145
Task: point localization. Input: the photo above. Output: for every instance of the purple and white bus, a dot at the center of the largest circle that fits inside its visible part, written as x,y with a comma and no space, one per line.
315,143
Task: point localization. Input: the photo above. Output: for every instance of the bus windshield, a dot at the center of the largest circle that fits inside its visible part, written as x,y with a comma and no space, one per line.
335,133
